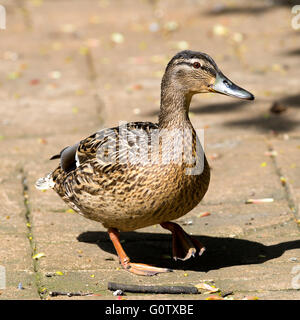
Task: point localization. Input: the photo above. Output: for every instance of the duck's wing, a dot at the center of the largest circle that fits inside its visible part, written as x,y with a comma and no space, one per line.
104,148
110,146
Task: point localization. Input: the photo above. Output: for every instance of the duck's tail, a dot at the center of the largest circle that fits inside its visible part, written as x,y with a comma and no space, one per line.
45,182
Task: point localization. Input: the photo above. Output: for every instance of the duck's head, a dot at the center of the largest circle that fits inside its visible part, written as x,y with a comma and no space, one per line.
196,72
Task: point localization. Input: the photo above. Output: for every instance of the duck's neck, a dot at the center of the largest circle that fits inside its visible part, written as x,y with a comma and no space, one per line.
174,106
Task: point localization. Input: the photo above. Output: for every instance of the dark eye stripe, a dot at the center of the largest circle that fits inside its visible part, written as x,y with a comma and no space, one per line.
211,70
184,62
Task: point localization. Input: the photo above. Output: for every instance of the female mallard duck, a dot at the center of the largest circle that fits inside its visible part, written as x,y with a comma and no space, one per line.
140,174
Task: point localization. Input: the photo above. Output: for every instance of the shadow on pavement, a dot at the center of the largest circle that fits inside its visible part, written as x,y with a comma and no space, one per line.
293,52
267,122
292,100
261,123
238,10
220,252
255,10
218,107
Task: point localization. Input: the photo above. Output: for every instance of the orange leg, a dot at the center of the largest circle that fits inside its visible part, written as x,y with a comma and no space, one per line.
184,246
136,268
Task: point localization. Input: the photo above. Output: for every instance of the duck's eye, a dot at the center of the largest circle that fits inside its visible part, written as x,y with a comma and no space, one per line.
196,65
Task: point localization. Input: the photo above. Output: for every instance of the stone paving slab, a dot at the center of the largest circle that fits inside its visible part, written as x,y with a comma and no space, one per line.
256,178
69,79
288,164
15,250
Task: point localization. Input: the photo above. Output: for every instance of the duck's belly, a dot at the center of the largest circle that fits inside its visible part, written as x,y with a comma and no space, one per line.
149,197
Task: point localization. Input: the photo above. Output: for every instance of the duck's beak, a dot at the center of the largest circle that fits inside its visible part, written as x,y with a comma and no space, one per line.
225,86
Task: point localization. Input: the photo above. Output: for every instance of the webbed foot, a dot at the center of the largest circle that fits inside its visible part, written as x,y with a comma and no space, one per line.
184,246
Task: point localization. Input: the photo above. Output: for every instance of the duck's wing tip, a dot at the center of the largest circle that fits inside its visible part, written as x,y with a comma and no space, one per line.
45,183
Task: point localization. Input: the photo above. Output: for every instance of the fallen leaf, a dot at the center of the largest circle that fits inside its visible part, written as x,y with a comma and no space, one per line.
283,181
17,95
75,110
251,298
143,45
14,75
204,214
214,298
237,37
220,30
171,26
254,201
68,59
272,153
187,222
23,66
207,287
278,108
278,68
118,292
154,27
34,82
214,156
117,37
137,86
263,164
83,50
55,74
79,92
38,256
42,141
286,136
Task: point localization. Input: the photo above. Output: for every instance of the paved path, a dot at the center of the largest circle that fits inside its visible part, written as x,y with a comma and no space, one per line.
63,77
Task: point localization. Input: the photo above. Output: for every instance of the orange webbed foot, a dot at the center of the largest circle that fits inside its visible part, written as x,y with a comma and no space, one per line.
184,246
144,269
135,268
